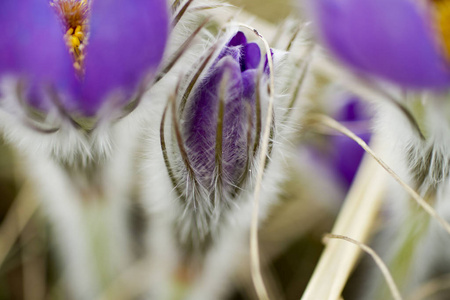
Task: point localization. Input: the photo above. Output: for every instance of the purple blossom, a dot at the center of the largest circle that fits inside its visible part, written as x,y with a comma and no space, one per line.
219,120
338,155
87,52
401,41
347,154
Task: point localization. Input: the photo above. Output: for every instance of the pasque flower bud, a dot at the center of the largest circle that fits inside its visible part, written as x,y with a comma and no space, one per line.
219,120
220,132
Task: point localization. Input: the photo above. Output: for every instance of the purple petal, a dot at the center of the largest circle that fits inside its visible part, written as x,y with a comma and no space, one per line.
32,47
126,42
234,52
235,126
353,110
238,39
392,39
251,56
249,78
249,84
347,153
266,62
201,122
348,156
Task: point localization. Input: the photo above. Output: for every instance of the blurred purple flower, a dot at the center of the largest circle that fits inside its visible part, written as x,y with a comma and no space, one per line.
402,41
338,155
220,116
347,154
51,46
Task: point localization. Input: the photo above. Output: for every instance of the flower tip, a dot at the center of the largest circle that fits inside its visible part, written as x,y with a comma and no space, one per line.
251,56
238,39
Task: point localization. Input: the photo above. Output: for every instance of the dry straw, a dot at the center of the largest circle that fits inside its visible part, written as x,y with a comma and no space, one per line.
23,208
383,268
335,265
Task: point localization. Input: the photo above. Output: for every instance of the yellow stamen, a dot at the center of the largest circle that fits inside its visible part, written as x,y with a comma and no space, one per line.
75,41
73,14
77,52
79,33
442,21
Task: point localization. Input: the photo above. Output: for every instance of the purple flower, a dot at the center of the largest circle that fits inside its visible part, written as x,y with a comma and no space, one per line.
213,143
220,129
85,52
219,119
402,41
346,154
338,155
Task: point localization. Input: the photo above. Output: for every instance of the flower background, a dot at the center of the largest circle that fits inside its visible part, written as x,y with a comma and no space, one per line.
290,238
317,173
30,270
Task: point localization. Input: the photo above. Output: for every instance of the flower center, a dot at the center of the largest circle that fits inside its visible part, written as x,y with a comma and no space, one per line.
73,14
442,21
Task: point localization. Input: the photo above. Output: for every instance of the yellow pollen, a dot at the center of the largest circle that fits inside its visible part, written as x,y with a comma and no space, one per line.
75,42
79,33
442,21
73,14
